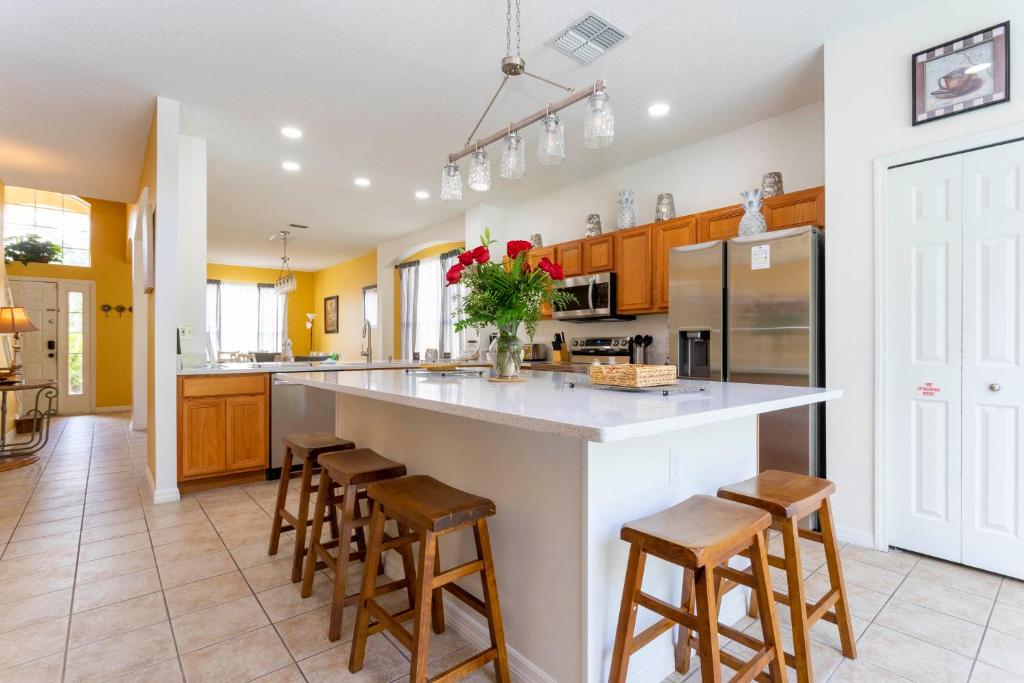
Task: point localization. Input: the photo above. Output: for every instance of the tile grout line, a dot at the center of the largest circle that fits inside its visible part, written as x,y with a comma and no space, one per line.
984,633
78,552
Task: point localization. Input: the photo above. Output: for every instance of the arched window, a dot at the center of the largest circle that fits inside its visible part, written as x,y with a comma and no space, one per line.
62,219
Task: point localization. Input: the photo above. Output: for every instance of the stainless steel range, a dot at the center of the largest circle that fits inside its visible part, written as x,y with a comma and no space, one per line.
605,350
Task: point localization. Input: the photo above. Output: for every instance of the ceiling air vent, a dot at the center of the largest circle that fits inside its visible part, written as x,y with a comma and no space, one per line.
588,38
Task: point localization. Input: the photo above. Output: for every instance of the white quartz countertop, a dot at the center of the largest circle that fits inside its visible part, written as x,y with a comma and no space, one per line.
303,366
564,403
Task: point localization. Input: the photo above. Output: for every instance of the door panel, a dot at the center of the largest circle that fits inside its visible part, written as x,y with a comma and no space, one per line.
247,446
202,436
38,361
993,471
923,322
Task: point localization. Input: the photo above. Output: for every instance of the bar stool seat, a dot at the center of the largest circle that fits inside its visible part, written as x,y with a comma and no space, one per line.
791,498
350,471
428,509
700,534
307,448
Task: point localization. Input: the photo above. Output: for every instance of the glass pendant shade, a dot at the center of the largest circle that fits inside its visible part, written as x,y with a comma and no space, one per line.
451,182
513,157
480,171
551,144
599,123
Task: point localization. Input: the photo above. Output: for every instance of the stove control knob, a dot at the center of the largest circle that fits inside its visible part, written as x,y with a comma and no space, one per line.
575,342
615,342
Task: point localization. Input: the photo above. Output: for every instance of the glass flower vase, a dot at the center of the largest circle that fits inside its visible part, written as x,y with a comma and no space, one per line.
507,351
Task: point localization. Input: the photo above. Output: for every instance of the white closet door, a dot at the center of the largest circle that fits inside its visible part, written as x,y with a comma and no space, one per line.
923,321
993,378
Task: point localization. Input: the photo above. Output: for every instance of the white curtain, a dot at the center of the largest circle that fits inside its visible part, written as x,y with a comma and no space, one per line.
408,286
450,341
244,316
429,298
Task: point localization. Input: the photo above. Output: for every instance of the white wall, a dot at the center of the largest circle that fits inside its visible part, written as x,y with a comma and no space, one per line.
867,115
191,294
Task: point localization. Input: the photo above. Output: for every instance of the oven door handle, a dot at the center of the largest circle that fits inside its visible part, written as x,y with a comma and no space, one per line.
590,293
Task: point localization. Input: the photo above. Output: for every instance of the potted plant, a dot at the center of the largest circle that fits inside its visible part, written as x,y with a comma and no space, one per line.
30,249
505,295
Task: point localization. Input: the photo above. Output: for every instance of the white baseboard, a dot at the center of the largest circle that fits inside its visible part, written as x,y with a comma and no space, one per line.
167,495
855,536
463,621
112,409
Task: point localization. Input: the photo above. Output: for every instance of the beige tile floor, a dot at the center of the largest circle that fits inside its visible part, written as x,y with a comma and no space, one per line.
98,584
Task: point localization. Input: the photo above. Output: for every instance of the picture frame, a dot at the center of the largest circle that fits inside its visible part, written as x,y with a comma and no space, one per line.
331,314
962,75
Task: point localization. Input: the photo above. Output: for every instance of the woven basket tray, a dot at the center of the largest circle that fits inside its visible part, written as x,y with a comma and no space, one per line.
631,375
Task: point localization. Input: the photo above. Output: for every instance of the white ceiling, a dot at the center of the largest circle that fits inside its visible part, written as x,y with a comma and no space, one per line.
381,89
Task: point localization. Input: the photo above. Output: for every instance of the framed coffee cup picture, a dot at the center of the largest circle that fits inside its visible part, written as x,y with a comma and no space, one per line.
962,75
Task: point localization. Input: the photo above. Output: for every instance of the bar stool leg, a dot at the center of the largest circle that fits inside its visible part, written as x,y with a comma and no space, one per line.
423,614
627,614
309,570
797,602
490,585
408,566
341,563
683,651
301,520
769,624
707,615
355,662
282,497
437,601
836,580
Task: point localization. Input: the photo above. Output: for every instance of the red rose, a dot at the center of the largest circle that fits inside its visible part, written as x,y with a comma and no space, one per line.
556,272
466,258
545,264
481,254
454,274
516,247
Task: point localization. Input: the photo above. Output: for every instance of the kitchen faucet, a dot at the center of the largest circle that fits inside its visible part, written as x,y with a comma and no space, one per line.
367,349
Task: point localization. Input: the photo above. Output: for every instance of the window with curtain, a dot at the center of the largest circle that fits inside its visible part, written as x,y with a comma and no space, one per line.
370,304
61,219
427,306
245,316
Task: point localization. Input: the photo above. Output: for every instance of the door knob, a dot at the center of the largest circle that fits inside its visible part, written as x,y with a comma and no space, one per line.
50,355
994,387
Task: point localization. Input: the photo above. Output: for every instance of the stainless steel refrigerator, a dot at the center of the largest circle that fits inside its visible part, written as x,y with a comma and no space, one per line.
752,310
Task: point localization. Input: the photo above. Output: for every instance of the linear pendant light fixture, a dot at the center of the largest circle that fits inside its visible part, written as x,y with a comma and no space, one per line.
598,128
285,278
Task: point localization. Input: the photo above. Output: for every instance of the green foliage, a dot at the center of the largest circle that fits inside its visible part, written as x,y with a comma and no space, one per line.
504,292
30,249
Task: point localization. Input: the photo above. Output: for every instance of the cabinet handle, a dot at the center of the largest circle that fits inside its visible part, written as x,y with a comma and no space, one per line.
994,387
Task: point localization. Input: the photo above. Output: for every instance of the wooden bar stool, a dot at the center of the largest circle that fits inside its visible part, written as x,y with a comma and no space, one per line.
349,471
790,498
307,447
700,534
430,509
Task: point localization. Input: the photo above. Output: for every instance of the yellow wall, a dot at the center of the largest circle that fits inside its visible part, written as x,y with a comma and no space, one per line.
300,302
346,280
147,179
113,276
397,313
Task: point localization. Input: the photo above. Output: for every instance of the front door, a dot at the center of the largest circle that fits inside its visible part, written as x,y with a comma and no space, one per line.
39,299
993,377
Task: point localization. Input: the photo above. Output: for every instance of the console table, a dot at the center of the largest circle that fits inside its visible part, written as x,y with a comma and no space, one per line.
39,409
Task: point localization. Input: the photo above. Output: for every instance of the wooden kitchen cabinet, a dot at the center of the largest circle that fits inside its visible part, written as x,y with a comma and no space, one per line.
668,235
633,270
598,254
570,256
534,256
805,207
223,425
720,224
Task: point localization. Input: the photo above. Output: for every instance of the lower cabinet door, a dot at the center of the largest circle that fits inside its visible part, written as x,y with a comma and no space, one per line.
246,431
202,437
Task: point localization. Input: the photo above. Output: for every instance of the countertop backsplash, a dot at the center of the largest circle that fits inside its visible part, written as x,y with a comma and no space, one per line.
654,325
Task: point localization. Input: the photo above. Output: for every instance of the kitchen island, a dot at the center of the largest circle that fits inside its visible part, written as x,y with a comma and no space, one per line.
566,465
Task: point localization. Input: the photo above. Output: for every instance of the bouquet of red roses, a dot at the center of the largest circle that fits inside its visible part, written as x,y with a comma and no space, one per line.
507,293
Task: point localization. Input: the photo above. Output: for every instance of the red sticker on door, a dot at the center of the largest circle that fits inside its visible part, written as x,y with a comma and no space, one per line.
928,389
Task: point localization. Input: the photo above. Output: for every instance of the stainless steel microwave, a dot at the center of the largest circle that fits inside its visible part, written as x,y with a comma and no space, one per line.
593,299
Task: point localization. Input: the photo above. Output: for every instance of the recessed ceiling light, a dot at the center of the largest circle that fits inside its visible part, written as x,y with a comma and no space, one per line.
291,132
290,166
363,182
658,109
422,195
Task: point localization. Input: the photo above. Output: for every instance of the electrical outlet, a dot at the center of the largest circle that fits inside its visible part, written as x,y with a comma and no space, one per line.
675,464
187,332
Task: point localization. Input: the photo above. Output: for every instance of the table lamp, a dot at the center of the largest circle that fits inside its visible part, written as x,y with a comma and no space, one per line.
14,319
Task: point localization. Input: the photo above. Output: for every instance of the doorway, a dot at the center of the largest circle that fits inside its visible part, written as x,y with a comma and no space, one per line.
63,348
953,356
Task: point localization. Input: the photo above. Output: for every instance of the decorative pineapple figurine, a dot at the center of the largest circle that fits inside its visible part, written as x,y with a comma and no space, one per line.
752,222
627,215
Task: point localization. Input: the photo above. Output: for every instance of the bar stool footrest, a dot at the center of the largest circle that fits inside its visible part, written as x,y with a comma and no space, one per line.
467,666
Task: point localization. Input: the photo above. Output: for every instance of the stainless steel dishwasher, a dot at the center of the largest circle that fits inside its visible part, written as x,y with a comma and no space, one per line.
295,408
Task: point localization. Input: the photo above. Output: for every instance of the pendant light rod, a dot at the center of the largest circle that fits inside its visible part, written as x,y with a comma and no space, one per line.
484,115
549,82
577,96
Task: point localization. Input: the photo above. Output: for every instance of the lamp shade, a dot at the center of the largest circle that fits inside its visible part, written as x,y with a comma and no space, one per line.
15,319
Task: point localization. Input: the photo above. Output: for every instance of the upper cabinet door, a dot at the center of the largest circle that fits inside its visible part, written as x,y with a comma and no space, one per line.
570,256
534,256
633,268
598,254
805,207
720,224
669,234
